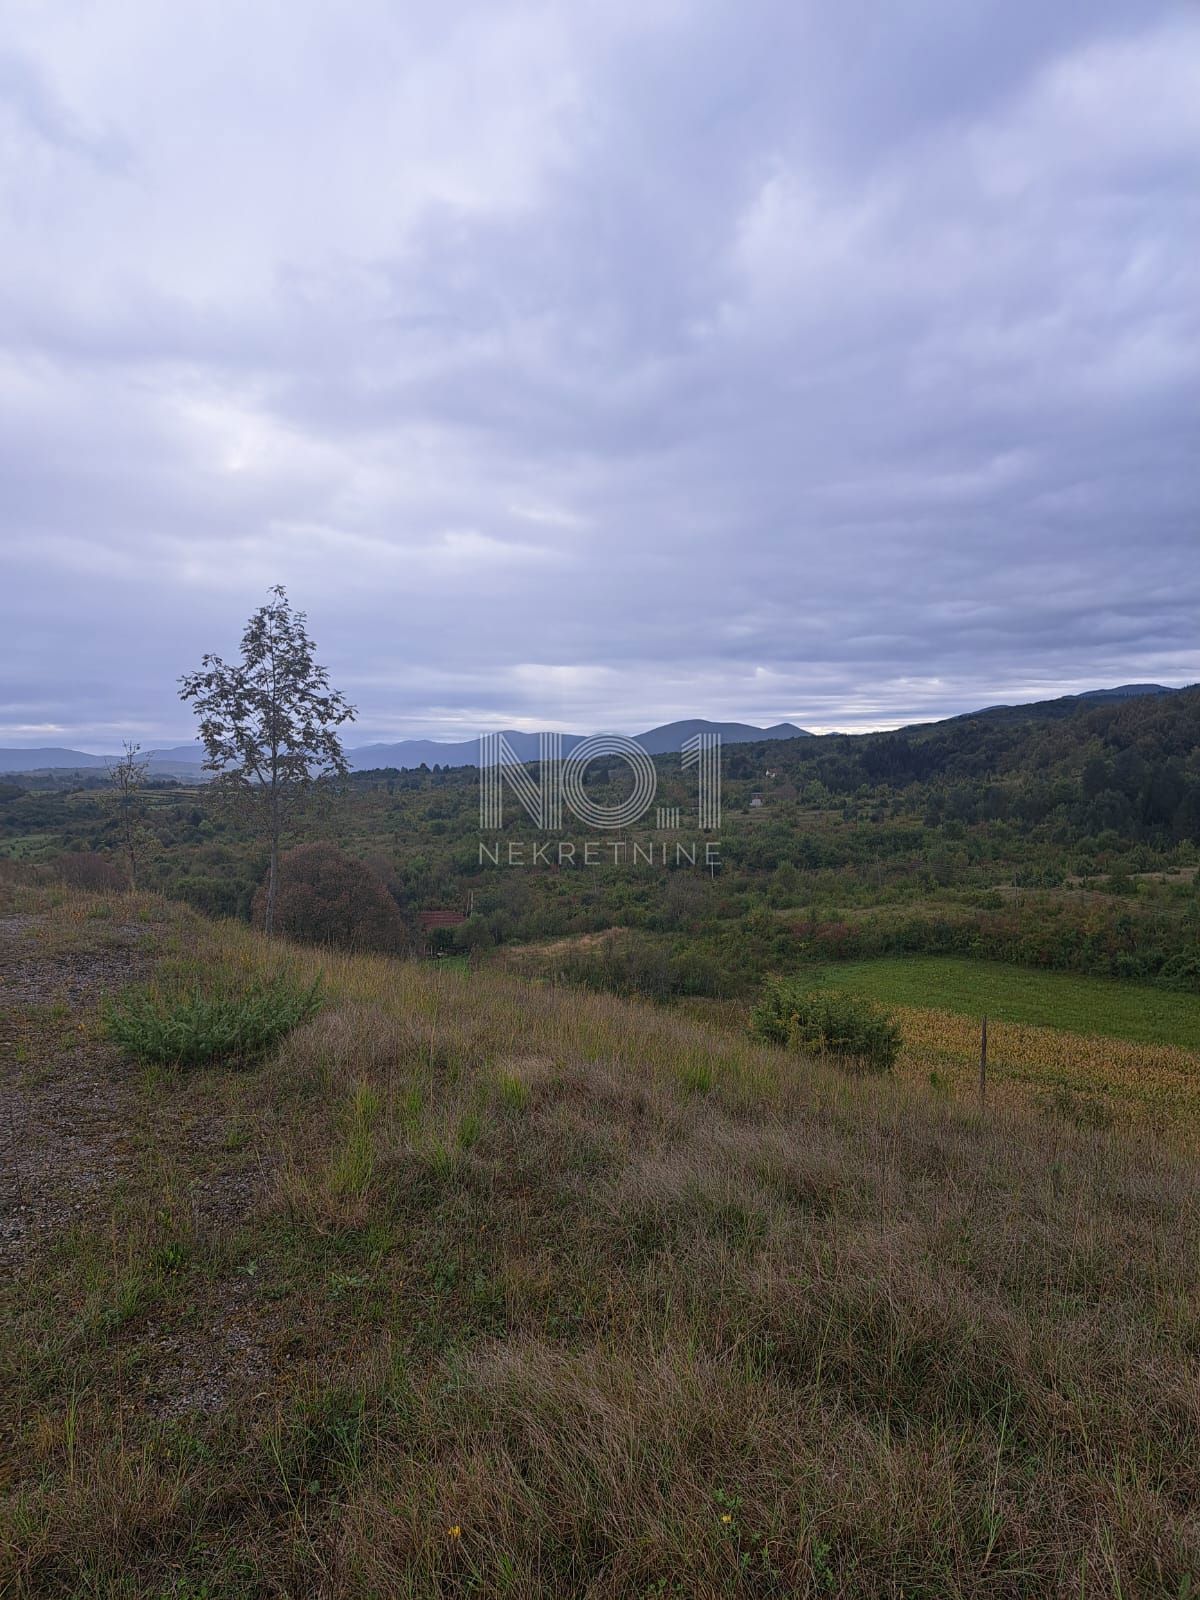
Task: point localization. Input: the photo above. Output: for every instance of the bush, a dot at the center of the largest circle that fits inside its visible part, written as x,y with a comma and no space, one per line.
327,897
1182,973
631,966
826,1020
647,967
215,897
195,1029
89,870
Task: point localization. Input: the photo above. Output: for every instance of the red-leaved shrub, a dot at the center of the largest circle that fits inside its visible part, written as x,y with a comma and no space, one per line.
327,897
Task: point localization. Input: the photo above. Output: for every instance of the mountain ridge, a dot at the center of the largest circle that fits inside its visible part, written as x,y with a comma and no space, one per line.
404,754
409,754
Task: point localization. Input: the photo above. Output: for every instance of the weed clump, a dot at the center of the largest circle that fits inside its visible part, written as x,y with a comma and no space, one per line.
194,1029
828,1021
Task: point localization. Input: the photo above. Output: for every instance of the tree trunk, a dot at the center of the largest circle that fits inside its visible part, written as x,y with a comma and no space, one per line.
271,876
273,870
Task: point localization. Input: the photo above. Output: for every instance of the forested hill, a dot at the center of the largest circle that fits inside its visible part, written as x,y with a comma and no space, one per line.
1129,764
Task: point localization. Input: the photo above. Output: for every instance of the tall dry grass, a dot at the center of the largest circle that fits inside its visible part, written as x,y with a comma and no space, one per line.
578,1297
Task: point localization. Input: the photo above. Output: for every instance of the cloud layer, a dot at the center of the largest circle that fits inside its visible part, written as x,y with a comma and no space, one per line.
595,365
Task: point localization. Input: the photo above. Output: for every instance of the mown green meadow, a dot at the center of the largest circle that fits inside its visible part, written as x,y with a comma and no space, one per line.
1071,1002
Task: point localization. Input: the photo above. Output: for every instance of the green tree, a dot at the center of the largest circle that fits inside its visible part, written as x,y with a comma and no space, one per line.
128,778
268,722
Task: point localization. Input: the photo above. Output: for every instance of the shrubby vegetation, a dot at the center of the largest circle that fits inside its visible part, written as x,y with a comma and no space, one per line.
1099,938
197,1029
640,964
326,897
826,1022
90,869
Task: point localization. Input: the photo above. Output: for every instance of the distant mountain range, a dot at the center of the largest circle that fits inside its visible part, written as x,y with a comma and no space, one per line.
185,759
50,758
655,741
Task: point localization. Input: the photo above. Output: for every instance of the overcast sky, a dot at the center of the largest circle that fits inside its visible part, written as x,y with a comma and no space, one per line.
586,365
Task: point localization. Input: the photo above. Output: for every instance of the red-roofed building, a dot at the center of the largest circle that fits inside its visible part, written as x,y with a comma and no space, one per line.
440,919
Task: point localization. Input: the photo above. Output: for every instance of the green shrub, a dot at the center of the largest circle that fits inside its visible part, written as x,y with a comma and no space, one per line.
792,1014
194,1029
647,966
1181,973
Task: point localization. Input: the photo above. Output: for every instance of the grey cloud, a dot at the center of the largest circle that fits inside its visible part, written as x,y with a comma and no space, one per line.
26,93
606,365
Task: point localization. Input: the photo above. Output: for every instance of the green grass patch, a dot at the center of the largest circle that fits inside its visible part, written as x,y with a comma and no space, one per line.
454,963
26,846
1064,1000
194,1029
513,1091
353,1160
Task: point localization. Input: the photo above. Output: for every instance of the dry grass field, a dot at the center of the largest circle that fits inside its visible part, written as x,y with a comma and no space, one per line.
475,1287
1118,1055
1089,1078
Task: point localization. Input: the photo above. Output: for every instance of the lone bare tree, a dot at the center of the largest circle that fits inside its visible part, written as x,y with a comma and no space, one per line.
268,721
128,778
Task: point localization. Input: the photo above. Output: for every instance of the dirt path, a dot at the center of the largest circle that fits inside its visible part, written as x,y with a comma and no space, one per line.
66,1101
80,1136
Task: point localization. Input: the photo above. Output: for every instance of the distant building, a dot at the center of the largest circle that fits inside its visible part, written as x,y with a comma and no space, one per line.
437,930
772,772
756,799
431,920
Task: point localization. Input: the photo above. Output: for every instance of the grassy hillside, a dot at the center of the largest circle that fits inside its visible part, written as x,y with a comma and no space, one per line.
477,1287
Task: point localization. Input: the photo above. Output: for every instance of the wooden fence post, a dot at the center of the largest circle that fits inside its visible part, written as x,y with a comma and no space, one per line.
983,1063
